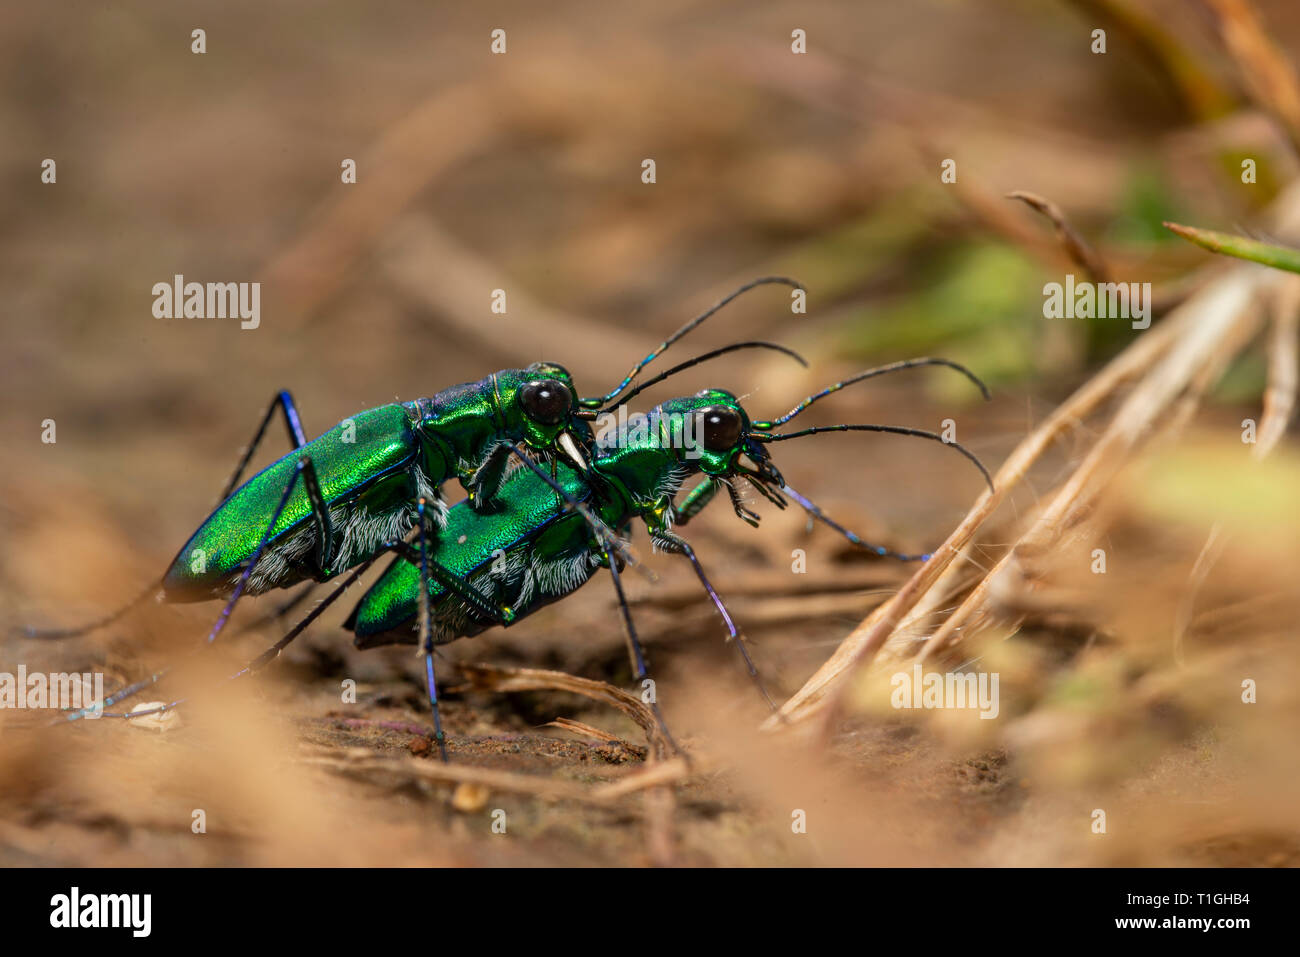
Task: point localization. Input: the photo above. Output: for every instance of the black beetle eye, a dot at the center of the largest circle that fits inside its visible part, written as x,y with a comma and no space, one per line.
721,427
546,401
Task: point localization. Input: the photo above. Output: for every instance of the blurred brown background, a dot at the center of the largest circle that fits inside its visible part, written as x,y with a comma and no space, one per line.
523,171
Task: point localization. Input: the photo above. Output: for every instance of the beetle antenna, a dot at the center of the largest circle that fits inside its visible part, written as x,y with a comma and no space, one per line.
813,510
734,347
871,374
596,403
50,634
893,429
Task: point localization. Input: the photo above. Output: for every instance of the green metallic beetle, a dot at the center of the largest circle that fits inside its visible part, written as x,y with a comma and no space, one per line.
551,533
332,502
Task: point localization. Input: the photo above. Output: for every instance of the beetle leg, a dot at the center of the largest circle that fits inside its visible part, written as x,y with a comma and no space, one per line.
320,514
695,501
303,466
426,635
486,480
255,664
679,546
634,645
284,401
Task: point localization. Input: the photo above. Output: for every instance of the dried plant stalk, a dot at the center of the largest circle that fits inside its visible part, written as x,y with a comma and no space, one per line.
1183,354
1268,75
1075,245
1283,371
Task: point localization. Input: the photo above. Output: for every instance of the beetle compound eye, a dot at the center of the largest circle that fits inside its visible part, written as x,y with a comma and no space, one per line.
721,428
546,401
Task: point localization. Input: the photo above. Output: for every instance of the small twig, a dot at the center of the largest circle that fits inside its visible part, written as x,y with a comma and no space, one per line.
672,771
1075,245
490,678
586,730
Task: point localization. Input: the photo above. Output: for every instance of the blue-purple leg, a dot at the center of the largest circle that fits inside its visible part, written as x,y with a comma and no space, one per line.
292,422
426,634
634,646
303,468
679,546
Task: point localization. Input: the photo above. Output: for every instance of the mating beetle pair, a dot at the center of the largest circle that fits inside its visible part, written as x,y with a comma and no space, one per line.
517,542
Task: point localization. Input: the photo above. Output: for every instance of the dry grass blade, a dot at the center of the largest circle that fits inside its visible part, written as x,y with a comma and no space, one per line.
452,282
1213,325
1283,367
1075,245
1177,64
1268,75
871,634
660,774
586,730
489,678
1205,561
413,153
506,781
1183,354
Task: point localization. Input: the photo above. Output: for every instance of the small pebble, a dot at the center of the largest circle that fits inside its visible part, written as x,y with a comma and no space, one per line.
469,798
160,721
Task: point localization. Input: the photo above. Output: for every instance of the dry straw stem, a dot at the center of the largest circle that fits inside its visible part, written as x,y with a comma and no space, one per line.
1075,245
1283,374
410,156
489,678
1174,61
657,780
1268,75
367,767
1185,352
659,776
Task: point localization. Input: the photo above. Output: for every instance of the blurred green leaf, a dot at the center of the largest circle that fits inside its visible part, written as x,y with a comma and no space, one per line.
1266,254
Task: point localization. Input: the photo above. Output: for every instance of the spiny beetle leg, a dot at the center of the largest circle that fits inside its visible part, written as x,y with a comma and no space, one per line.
51,634
320,514
426,635
280,610
484,483
303,465
283,401
607,540
293,423
634,647
262,660
679,546
695,501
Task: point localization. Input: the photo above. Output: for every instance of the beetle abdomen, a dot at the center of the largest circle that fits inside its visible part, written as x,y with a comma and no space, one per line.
366,466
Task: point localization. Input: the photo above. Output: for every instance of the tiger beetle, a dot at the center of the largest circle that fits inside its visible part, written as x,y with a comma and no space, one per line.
497,568
331,503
